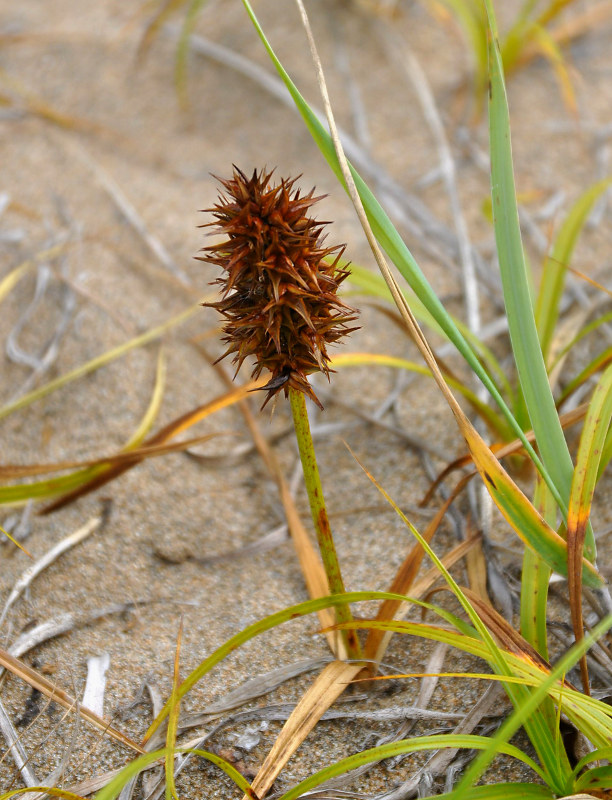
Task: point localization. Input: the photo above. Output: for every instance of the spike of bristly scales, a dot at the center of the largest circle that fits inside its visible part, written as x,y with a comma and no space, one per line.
278,291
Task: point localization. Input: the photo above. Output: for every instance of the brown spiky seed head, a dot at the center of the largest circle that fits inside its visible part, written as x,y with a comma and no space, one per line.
279,283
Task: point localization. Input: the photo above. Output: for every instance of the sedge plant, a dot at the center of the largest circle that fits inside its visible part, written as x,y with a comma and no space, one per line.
280,306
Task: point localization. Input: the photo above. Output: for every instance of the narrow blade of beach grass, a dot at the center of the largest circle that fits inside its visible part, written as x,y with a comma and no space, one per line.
592,440
373,284
582,333
592,368
606,454
155,23
377,640
520,513
535,577
326,689
555,266
100,361
552,52
592,717
503,791
150,415
527,33
501,451
182,50
524,338
471,19
404,747
561,784
94,474
173,720
392,243
47,790
136,766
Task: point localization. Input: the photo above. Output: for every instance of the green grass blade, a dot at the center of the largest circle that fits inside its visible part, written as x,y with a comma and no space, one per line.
555,267
595,778
404,746
535,577
466,642
373,284
48,790
521,322
150,415
135,767
595,755
266,624
471,19
585,331
503,791
606,454
182,50
592,440
52,487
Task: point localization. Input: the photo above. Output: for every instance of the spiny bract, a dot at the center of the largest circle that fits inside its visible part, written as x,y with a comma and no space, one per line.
279,283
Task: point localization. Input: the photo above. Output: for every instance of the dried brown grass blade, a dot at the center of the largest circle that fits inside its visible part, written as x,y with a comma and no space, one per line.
476,566
15,471
328,686
509,638
567,419
172,429
50,690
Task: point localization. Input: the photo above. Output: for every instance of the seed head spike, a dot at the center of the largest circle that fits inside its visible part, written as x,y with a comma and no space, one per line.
279,284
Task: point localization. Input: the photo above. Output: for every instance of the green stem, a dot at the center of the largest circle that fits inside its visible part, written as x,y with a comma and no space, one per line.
320,519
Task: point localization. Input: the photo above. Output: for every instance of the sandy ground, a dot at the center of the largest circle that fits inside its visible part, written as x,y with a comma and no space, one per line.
123,136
